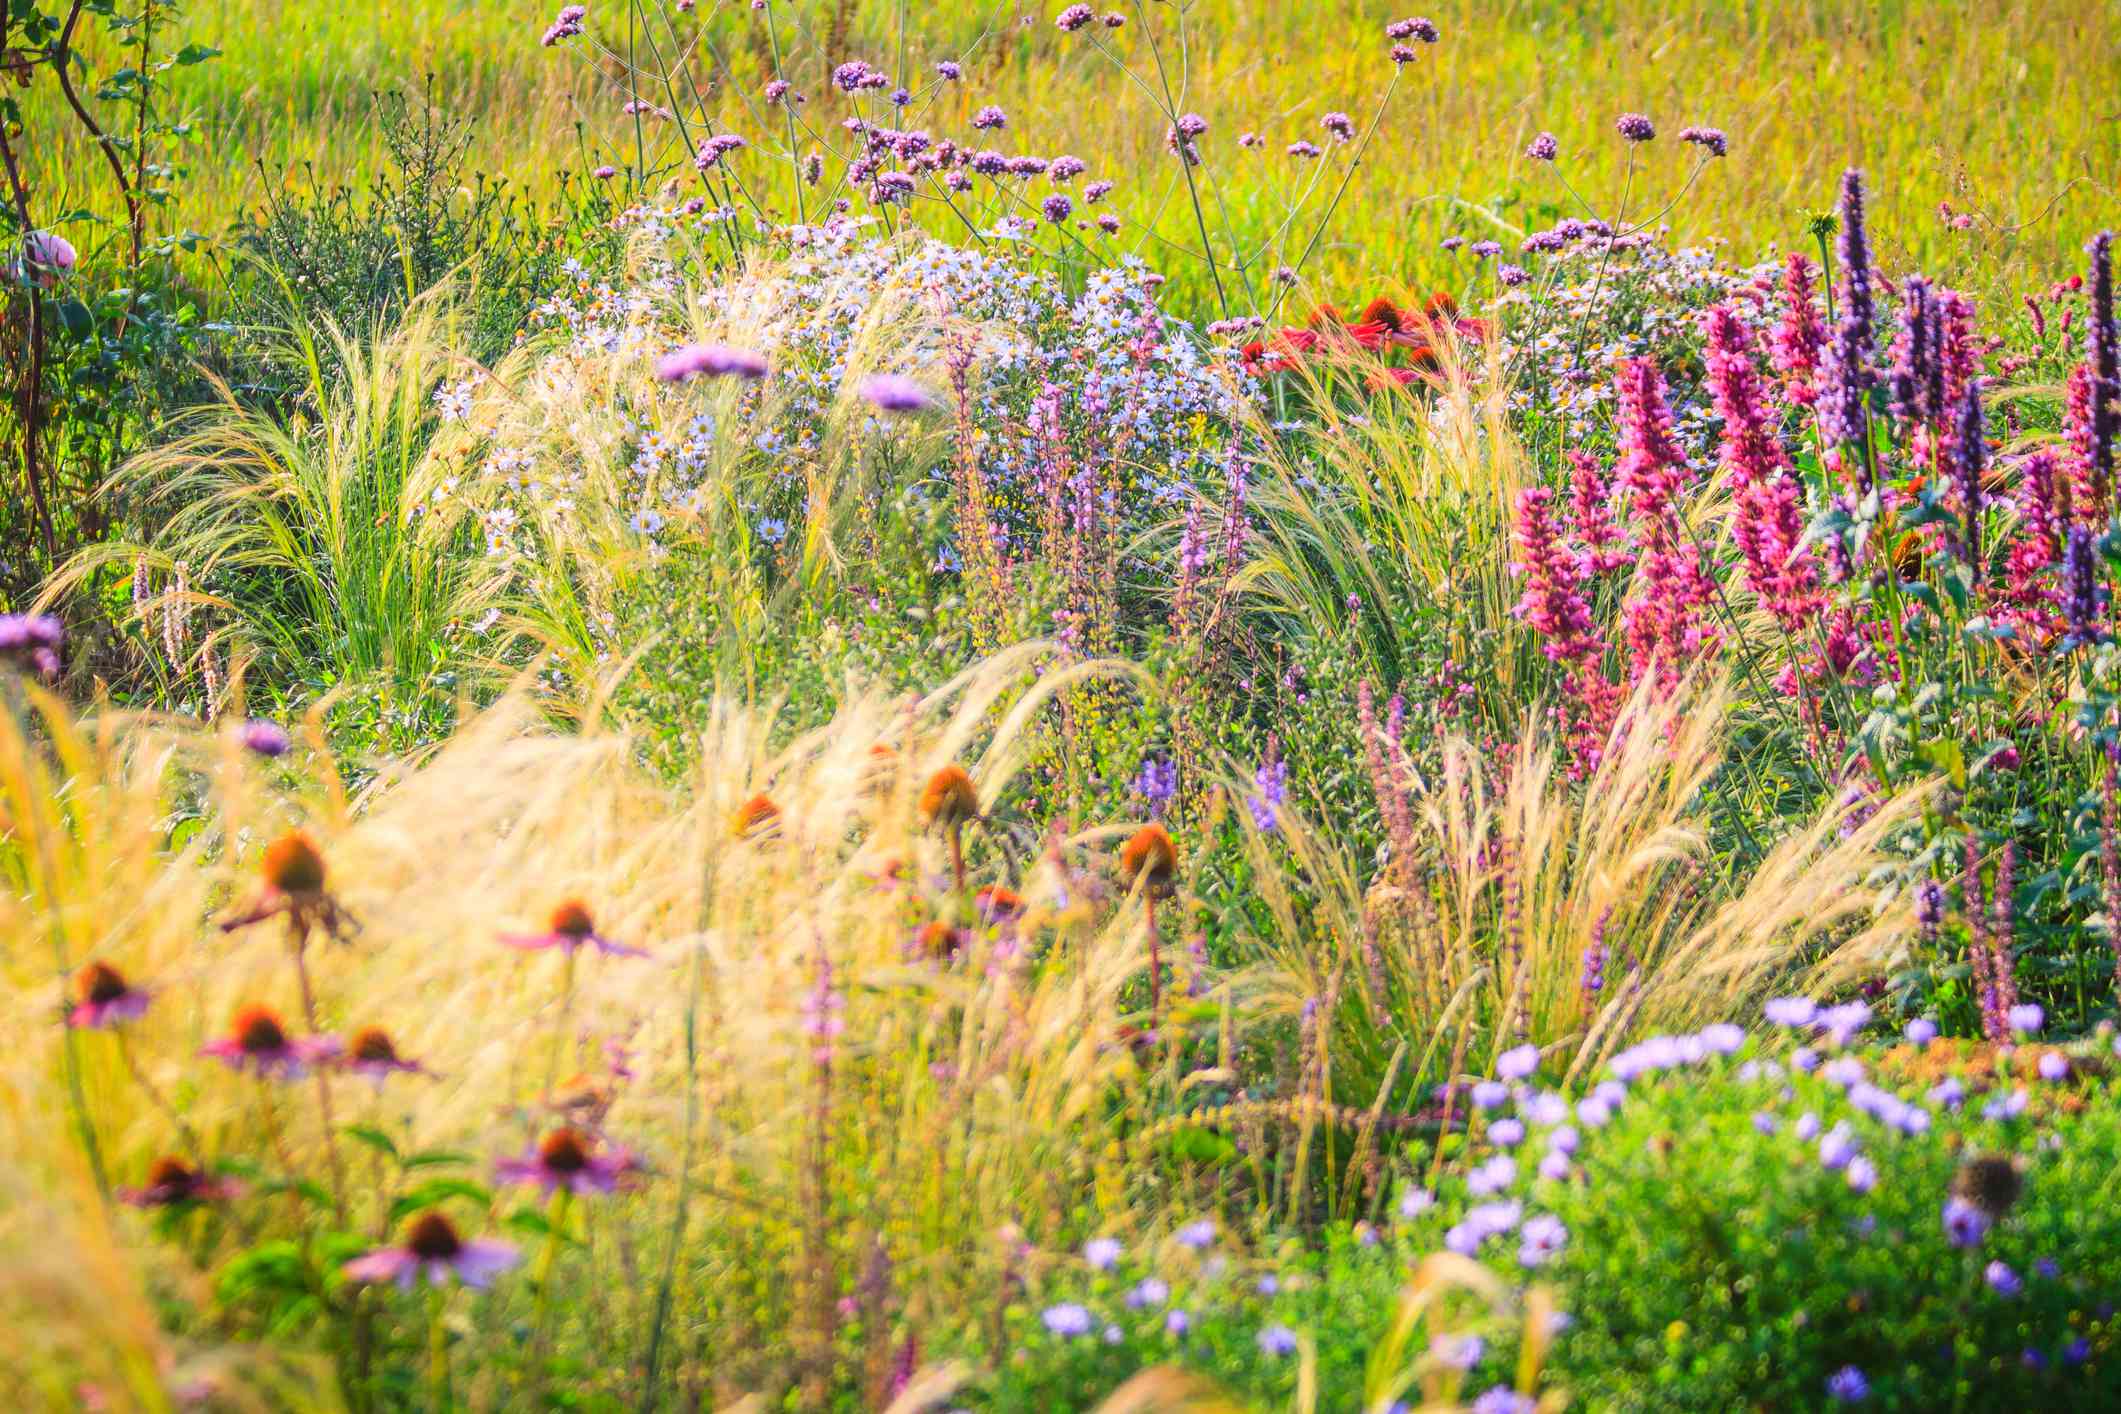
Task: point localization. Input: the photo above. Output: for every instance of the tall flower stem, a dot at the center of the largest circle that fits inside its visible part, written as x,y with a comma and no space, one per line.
157,1098
437,1348
298,932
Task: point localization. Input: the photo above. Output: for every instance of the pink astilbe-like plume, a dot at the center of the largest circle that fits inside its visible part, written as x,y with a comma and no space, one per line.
1664,614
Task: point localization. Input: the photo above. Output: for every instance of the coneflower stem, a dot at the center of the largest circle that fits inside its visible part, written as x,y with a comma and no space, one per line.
957,855
437,1347
155,1096
555,1230
559,1035
1156,971
297,934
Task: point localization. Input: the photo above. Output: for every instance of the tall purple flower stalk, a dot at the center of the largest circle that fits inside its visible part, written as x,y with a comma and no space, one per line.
2102,359
1969,460
2110,859
1663,614
1767,509
1799,334
1915,356
2080,590
1551,603
1973,904
2003,932
1843,412
1594,958
2037,544
1591,516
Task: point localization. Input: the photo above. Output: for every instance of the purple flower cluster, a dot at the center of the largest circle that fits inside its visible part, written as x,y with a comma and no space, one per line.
31,643
566,25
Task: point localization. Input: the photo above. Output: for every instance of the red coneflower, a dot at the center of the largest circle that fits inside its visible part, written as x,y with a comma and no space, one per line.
106,997
570,928
939,940
1150,859
950,800
371,1052
171,1181
570,1159
258,1041
997,905
293,871
433,1251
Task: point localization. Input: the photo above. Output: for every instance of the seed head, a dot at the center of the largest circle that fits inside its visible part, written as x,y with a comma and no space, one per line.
950,798
1991,1182
1151,859
292,865
431,1237
571,919
259,1030
99,982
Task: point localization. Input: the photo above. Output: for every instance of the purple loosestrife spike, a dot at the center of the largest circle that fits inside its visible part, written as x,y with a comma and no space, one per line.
2102,358
1969,457
1844,412
2110,859
2080,584
1973,905
1551,604
1799,334
1914,357
2003,933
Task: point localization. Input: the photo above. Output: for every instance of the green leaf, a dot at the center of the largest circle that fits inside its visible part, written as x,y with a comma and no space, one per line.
196,53
435,1158
439,1190
373,1137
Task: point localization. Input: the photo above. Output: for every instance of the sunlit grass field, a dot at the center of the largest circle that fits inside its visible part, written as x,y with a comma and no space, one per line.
2007,114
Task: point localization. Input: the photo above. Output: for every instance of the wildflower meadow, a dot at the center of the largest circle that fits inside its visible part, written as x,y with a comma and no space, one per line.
1171,705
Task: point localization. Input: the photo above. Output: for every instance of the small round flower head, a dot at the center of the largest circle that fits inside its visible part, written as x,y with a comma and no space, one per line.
1197,1235
1149,1291
1114,20
1544,148
1108,223
1489,1094
1792,1011
1964,1224
171,1181
1990,1182
949,799
1102,1253
1501,1399
775,90
998,906
710,360
569,1159
293,866
2027,1018
2053,1065
1067,1320
605,173
105,998
947,70
433,1252
1151,859
1862,1174
990,118
372,1053
1340,125
1073,18
1056,208
1921,1031
1416,28
1303,148
894,392
2002,1280
569,928
31,642
1066,168
49,253
257,1041
1542,1238
1713,140
1416,1201
1460,1352
1848,1386
1176,1324
1278,1341
266,738
1518,1063
1481,250
1635,127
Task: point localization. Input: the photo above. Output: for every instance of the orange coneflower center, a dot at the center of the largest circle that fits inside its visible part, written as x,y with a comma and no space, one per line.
99,982
292,864
172,1174
571,920
755,813
259,1031
950,798
432,1238
1151,855
998,902
564,1152
372,1043
1383,311
937,939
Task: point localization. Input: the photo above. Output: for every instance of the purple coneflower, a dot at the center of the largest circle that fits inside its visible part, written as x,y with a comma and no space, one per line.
257,1041
894,392
370,1052
569,1159
106,998
569,928
171,1181
433,1251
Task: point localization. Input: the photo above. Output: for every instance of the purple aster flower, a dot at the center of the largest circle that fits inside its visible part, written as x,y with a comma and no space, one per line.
1149,1291
1542,1238
2077,1351
1964,1224
1723,1037
1509,1133
1493,1176
1518,1063
1921,1031
2054,1065
1949,1093
1804,1058
1177,1323
1792,1011
1102,1253
1848,1386
1544,148
1277,1341
1501,1399
1843,1071
258,1042
570,1159
1844,1021
1807,1127
2002,1280
1592,1112
2027,1018
1460,1352
1416,1201
1862,1174
711,360
433,1251
570,928
1067,1320
1635,127
1836,1148
1197,1235
893,392
1765,1122
1554,1165
1267,1285
105,998
1490,1094
1544,1108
